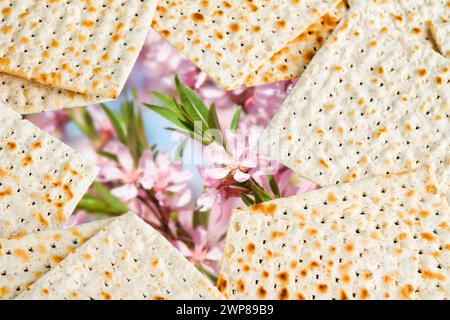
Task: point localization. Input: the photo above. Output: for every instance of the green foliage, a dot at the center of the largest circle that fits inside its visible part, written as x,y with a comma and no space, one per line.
189,114
104,202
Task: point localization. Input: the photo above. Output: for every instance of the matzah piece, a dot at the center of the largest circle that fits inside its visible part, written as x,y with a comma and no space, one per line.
379,238
364,108
230,39
27,97
87,47
292,60
412,17
441,34
25,259
128,259
41,179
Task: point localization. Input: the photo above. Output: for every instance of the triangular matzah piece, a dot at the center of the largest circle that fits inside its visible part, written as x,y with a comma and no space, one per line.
441,34
379,238
84,47
25,259
230,39
292,60
126,260
41,179
365,108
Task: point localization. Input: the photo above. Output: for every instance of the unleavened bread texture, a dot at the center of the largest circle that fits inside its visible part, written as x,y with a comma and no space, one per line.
87,47
28,97
412,17
292,60
231,39
379,238
126,260
441,34
365,108
41,178
25,259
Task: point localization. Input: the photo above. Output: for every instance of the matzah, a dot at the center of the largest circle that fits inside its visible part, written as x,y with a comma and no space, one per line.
412,17
292,60
27,97
379,238
41,179
87,47
230,39
441,34
365,108
126,260
25,259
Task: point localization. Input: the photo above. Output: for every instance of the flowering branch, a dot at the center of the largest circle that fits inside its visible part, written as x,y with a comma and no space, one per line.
194,119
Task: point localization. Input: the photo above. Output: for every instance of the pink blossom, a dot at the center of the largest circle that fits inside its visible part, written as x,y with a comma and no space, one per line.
53,122
236,160
125,172
166,179
290,184
103,126
171,182
264,103
77,218
220,215
163,62
203,252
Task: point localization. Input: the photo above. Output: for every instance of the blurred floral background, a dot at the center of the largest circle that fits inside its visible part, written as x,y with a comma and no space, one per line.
178,150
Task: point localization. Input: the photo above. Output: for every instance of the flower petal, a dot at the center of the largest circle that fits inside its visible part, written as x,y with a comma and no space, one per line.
216,154
126,192
240,176
217,173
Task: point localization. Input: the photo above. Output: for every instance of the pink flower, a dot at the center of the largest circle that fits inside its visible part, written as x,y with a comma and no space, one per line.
236,160
290,184
170,185
126,173
167,180
264,103
103,126
77,218
53,122
163,62
203,252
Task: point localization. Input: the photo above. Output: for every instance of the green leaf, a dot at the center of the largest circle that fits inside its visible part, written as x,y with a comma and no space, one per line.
201,218
214,124
274,186
168,115
192,103
83,120
93,204
207,273
236,119
117,122
140,128
109,198
108,155
259,193
247,200
213,119
179,154
127,109
134,93
188,134
167,101
134,143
